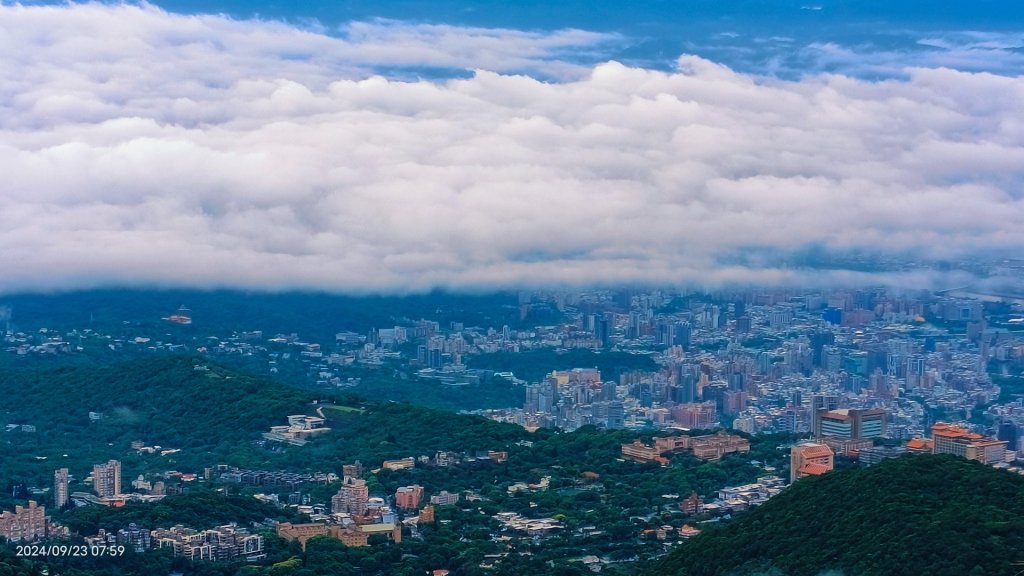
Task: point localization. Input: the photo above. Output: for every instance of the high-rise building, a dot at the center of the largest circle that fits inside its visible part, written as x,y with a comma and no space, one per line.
602,331
352,497
819,340
743,324
850,423
60,488
821,402
1008,431
532,403
809,459
695,416
616,415
608,390
106,479
685,390
681,334
734,402
780,318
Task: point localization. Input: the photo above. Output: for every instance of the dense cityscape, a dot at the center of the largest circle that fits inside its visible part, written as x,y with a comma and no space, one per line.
813,380
486,288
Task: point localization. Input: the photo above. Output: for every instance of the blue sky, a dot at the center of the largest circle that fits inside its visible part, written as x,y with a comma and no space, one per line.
406,146
781,37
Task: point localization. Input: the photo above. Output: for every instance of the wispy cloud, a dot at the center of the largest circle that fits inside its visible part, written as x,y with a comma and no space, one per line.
141,147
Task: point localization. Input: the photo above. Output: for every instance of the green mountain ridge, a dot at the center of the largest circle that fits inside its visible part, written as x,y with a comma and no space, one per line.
212,414
936,515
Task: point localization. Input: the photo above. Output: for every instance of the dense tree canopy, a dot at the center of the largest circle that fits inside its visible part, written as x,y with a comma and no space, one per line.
936,515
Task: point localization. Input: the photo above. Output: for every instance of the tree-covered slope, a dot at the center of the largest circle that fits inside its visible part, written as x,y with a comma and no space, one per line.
935,515
213,415
172,401
314,315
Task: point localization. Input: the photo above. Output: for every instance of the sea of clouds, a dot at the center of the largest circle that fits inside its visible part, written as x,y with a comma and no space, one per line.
140,147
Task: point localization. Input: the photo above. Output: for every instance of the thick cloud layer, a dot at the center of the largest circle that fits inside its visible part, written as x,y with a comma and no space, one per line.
139,147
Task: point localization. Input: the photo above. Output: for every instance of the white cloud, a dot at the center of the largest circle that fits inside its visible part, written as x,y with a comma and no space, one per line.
142,147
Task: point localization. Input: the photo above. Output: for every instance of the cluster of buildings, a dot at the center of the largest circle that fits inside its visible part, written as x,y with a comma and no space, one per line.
707,447
959,441
529,526
852,438
227,542
738,498
299,430
268,478
355,517
756,361
753,360
107,487
28,523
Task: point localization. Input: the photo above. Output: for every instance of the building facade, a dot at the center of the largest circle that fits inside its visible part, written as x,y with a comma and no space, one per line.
60,488
408,497
106,479
950,439
352,497
810,459
850,423
25,524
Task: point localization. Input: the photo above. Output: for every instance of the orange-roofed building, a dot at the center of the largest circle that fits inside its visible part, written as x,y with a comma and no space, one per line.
810,459
919,446
814,469
687,531
951,439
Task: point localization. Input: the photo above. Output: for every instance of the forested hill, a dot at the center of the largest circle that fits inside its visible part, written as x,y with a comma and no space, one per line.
315,316
176,401
934,515
211,414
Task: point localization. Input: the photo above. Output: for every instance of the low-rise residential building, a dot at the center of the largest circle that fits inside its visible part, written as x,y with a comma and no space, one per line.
810,459
875,454
226,542
408,497
399,464
444,498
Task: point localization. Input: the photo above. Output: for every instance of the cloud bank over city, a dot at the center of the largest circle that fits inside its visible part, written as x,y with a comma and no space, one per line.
139,147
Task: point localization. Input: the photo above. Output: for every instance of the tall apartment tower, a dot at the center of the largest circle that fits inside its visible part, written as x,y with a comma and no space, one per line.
352,497
819,403
106,479
60,488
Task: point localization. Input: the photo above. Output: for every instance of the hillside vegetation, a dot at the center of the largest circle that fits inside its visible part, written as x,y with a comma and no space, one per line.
935,515
213,415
